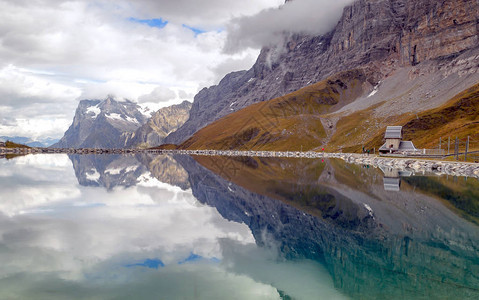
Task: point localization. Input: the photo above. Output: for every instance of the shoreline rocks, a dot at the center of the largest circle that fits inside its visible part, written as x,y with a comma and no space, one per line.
438,167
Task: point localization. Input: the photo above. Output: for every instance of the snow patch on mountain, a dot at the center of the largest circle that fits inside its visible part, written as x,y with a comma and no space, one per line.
95,110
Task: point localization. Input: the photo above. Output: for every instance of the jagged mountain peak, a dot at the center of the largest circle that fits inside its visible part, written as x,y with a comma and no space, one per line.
107,123
112,123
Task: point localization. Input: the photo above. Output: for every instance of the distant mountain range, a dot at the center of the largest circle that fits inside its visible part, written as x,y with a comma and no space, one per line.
28,141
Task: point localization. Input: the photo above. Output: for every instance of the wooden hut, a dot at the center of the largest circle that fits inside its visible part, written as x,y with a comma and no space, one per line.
394,142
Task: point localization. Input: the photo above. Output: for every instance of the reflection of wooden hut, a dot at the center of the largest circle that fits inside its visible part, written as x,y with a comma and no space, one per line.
392,178
394,142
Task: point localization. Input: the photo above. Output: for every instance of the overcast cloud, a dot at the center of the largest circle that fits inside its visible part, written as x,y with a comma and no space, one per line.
268,27
54,53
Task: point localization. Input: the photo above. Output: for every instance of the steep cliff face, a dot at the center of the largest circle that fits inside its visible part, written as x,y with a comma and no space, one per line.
380,36
103,124
161,123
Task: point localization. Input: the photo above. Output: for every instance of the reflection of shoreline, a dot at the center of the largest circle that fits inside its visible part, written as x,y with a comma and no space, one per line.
440,167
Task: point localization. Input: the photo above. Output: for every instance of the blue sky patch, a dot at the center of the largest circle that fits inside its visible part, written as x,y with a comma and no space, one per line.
158,23
148,263
192,258
196,31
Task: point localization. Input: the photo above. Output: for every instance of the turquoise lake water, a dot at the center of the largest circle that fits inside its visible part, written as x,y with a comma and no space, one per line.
181,227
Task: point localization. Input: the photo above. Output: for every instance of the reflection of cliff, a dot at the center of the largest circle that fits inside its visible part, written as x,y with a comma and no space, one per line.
119,170
375,244
166,169
107,170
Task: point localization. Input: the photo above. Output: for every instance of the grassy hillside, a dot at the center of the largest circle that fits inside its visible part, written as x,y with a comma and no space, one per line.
291,122
458,117
295,121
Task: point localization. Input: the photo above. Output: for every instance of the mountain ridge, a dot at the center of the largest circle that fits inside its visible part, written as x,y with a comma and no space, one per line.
162,122
380,36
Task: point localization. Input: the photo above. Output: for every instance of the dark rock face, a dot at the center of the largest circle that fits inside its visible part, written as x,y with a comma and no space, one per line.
209,104
103,124
377,35
162,123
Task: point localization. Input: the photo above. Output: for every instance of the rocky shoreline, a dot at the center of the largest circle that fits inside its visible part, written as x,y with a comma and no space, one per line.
438,167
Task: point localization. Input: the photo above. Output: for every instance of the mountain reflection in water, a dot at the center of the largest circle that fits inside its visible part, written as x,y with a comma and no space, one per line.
318,229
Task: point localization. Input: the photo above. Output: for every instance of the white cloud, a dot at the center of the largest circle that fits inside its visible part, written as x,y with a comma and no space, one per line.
34,104
159,94
269,26
209,14
58,52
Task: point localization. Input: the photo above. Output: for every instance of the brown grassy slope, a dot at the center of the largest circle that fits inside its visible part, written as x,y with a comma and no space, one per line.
9,144
458,117
290,122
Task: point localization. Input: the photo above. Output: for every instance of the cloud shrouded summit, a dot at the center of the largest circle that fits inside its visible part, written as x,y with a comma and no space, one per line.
269,26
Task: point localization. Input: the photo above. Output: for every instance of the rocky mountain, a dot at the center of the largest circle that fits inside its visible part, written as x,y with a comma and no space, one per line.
103,124
416,55
161,123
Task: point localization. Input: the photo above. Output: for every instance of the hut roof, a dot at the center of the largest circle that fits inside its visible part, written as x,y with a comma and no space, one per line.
392,184
403,146
406,146
393,132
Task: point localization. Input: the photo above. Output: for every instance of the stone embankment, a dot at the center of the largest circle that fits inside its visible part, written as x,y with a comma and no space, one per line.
416,165
453,168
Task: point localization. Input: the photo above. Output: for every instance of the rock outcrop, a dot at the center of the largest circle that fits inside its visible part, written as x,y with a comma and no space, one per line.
381,36
161,123
103,124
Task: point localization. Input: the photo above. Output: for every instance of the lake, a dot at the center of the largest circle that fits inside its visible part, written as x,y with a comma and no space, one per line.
181,227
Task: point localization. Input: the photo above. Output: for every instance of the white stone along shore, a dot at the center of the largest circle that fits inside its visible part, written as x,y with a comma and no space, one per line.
439,167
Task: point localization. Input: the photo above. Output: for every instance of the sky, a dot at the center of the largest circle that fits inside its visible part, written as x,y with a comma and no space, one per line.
54,53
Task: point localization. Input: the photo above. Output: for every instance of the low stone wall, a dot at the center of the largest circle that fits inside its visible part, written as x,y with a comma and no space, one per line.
406,164
415,165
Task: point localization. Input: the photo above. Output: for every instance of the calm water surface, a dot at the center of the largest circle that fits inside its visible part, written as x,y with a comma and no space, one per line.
181,227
